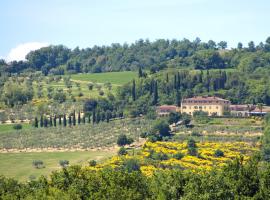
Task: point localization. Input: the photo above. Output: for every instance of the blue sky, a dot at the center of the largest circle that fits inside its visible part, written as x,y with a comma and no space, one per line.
30,24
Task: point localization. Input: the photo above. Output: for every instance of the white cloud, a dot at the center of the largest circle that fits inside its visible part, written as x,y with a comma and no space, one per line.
19,52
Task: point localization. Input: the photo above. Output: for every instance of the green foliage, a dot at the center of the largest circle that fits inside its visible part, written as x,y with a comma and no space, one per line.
92,163
161,128
178,156
238,180
123,140
131,165
122,151
219,153
17,126
38,164
63,163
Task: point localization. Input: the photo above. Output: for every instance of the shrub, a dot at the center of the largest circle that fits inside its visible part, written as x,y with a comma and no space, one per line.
92,163
162,128
124,140
38,164
143,135
178,156
122,151
158,156
196,134
63,163
219,153
131,165
17,126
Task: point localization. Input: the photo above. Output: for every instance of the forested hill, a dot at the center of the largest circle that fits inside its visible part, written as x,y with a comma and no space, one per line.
146,55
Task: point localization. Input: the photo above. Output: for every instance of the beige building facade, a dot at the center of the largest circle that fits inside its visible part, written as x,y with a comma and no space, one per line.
214,106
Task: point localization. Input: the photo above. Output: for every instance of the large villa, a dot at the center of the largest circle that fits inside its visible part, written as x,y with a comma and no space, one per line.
214,106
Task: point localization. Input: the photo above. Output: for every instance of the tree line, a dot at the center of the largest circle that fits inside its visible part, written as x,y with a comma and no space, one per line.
143,54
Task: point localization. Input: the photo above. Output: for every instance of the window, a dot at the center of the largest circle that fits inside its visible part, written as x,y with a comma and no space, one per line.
209,107
195,107
184,107
200,107
216,107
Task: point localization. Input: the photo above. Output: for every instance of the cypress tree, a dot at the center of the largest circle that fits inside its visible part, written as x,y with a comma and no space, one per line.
98,117
152,86
155,96
133,90
60,120
41,121
51,121
89,118
94,116
207,81
54,121
108,116
178,81
45,122
36,122
175,81
65,120
69,120
79,118
74,120
140,72
83,119
167,78
178,98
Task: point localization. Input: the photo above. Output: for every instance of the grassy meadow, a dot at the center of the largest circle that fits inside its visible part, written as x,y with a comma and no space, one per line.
19,165
9,127
115,78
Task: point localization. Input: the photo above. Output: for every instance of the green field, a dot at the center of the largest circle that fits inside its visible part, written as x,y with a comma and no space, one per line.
19,165
116,78
9,127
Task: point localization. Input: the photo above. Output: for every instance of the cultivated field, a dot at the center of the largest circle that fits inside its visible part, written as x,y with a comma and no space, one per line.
19,165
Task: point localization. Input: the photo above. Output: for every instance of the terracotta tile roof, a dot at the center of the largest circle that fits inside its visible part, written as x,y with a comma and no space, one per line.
205,100
166,108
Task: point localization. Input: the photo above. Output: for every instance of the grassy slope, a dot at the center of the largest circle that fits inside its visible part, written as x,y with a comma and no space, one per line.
9,127
116,78
19,165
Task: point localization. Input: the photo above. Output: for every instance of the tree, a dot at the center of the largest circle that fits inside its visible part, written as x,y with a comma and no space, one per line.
92,163
239,46
222,45
41,121
79,118
155,93
161,128
36,122
133,90
219,153
63,163
192,147
251,46
38,164
122,151
17,126
54,121
51,121
140,73
60,120
123,140
65,120
69,121
178,98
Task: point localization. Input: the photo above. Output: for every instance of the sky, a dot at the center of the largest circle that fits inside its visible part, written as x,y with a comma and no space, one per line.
31,24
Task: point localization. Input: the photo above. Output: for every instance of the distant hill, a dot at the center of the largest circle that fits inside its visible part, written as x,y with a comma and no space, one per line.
144,54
